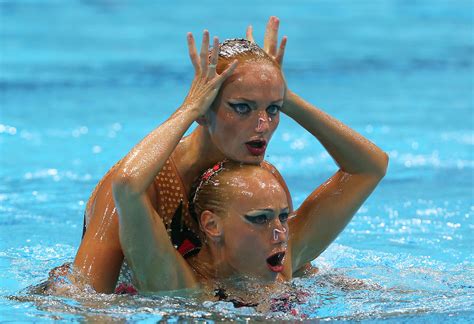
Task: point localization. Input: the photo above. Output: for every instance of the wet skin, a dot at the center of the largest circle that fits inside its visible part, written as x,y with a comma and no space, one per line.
258,207
320,218
246,108
223,136
251,228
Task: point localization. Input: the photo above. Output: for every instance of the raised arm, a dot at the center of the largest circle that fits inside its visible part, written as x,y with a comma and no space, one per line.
155,263
325,213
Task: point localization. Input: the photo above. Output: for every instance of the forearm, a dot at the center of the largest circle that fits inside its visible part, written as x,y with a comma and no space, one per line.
138,169
352,152
155,263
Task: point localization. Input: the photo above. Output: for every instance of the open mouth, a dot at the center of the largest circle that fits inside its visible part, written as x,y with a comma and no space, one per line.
256,143
256,147
275,261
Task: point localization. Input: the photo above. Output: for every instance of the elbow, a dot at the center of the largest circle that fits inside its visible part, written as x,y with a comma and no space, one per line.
382,165
122,186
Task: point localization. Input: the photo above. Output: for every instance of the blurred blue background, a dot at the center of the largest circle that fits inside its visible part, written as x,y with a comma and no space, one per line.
82,81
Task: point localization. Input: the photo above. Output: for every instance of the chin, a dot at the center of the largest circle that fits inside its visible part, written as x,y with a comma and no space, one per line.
255,161
266,275
252,159
242,156
270,276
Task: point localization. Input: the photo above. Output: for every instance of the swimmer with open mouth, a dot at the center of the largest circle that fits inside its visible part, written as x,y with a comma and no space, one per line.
136,204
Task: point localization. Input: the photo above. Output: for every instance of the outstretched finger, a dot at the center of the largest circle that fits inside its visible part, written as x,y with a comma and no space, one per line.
193,53
211,73
249,34
281,51
271,36
204,51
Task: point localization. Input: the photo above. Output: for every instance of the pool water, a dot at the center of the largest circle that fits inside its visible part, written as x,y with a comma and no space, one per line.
82,81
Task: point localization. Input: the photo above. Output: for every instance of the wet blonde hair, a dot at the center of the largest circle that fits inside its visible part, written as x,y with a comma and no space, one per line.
211,190
243,51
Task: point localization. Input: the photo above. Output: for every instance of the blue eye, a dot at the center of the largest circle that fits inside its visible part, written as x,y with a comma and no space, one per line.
258,219
240,108
283,217
273,109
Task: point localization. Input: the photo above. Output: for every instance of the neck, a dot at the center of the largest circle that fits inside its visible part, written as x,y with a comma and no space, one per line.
210,264
195,153
214,272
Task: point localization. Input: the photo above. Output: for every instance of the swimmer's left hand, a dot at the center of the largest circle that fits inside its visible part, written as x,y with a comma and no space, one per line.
270,41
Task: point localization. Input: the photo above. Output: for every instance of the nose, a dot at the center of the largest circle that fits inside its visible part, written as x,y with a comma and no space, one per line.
262,124
279,233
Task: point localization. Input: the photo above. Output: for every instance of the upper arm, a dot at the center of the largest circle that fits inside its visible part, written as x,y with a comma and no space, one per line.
325,213
155,263
100,256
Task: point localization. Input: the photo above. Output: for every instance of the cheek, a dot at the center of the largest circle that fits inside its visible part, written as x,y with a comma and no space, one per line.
228,127
244,241
275,121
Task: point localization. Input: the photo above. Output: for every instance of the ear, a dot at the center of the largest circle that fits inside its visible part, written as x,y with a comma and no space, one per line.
205,120
211,225
202,120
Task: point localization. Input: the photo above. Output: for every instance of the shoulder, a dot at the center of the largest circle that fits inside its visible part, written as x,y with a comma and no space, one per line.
273,170
102,189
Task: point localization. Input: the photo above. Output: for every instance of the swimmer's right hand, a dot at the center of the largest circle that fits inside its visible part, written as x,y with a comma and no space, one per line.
206,82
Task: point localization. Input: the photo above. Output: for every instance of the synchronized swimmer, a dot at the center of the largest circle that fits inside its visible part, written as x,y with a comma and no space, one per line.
194,211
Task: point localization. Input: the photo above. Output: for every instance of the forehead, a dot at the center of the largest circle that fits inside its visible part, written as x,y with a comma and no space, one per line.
257,189
255,79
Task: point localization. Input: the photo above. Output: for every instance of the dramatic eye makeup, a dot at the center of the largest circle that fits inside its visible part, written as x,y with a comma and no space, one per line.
246,106
257,219
283,217
273,109
240,108
266,215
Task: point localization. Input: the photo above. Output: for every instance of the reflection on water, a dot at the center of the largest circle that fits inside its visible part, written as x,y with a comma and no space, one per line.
84,81
408,286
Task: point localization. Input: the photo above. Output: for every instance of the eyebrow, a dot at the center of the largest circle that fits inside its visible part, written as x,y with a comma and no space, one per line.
254,102
269,210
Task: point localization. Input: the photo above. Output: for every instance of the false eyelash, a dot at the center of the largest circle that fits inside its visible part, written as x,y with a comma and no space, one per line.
253,219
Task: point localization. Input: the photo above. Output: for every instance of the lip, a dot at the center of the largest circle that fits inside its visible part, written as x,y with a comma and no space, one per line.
257,151
279,266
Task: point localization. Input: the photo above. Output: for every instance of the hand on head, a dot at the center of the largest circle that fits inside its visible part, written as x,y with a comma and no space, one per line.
206,82
244,114
270,41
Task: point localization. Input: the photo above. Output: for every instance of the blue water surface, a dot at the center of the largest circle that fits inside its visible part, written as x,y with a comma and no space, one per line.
82,81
